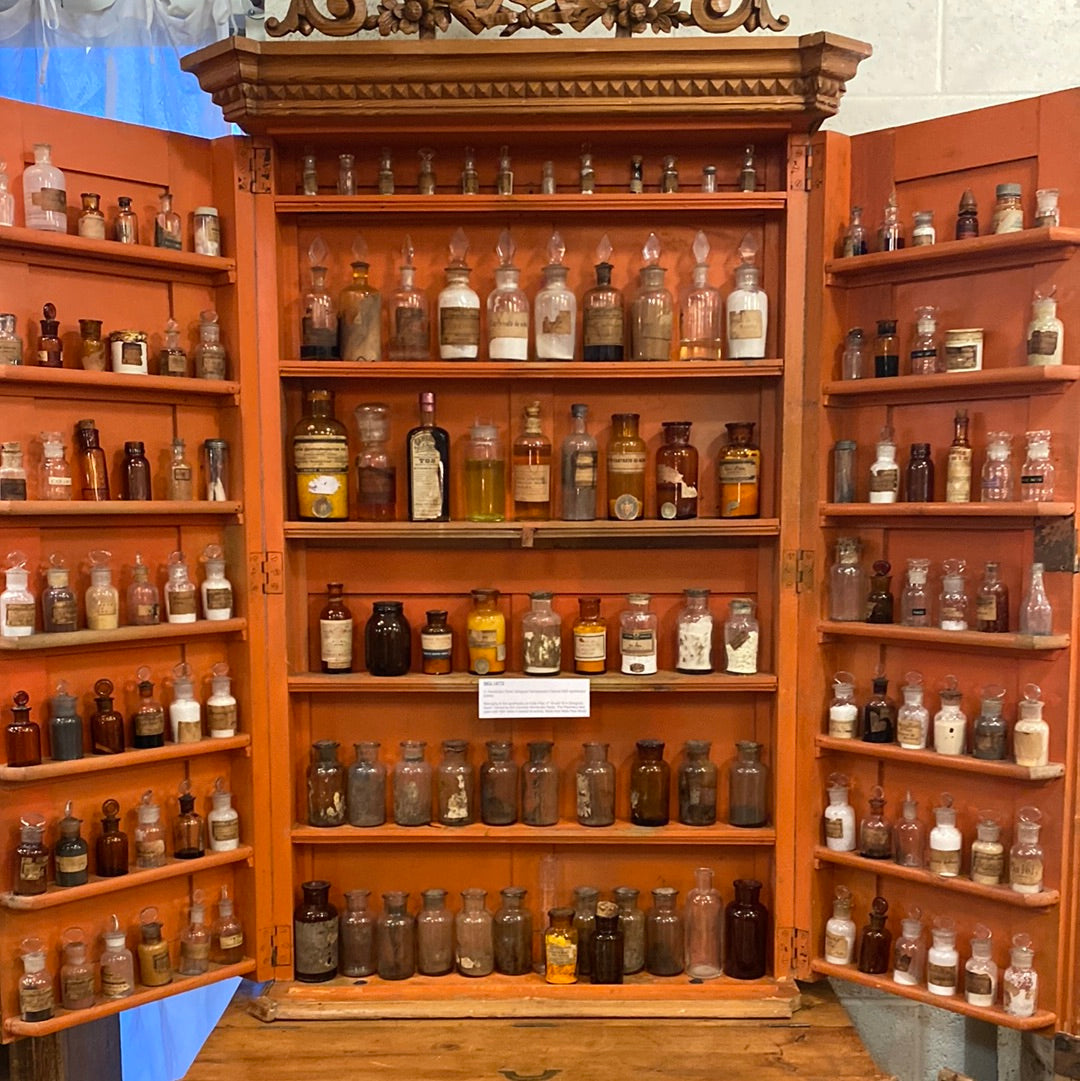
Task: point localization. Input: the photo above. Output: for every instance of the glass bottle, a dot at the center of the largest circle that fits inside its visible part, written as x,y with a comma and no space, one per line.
195,940
560,947
356,935
189,827
541,637
223,821
997,483
556,307
844,471
1008,209
227,933
366,798
11,346
346,183
875,940
427,450
155,967
891,231
360,312
458,307
746,932
944,854
579,469
71,851
919,475
637,177
320,460
586,174
507,307
1020,982
697,782
31,860
22,736
454,782
211,361
7,200
410,322
748,174
853,358
701,312
126,222
315,934
221,705
326,784
540,786
665,946
608,946
309,183
879,604
991,731
1047,214
942,960
395,938
135,478
12,472
504,175
992,602
172,360
923,232
603,319
385,176
216,589
65,726
93,473
44,193
967,218
17,608
879,713
875,830
412,787
499,785
958,466
531,468
150,848
181,605
637,636
318,323
847,593
1036,615
387,640
650,784
106,723
669,176
335,632
693,634
652,309
910,840
953,602
840,930
747,307
76,973
886,350
987,851
884,472
474,935
950,721
1045,332
625,469
470,177
913,718
909,955
595,787
748,787
676,473
590,638
185,713
632,925
855,235
485,475
117,963
111,848
91,346
49,347
148,720
1026,854
435,954
436,644
925,350
704,924
486,633
1037,474
843,713
179,484
839,815
168,231
1031,734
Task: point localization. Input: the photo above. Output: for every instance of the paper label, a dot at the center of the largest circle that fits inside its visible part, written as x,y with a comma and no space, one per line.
19,615
532,483
320,454
411,330
941,975
53,200
738,472
963,358
219,598
459,326
746,324
427,480
508,324
221,718
630,461
150,722
602,326
561,323
943,862
834,828
231,942
336,640
71,865
225,829
1042,343
181,602
583,467
590,645
978,983
519,698
1026,871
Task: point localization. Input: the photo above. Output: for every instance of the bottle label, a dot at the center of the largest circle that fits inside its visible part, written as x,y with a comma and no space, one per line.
376,486
150,853
208,234
219,598
189,730
583,467
590,645
181,474
71,865
987,867
1026,870
941,975
35,1000
221,718
359,330
884,480
903,961
51,200
560,956
834,828
1031,478
31,868
746,324
627,507
173,362
739,472
150,722
19,615
181,602
532,483
602,326
196,952
13,488
487,639
978,983
225,829
986,608
1030,744
62,483
321,454
958,475
336,642
1008,219
842,722
561,322
944,862
115,982
427,479
147,614
638,643
92,226
1042,343
923,354
232,942
436,645
876,838
626,461
459,326
129,356
411,331
508,324
838,949
10,352
164,238
653,339
909,732
159,962
963,358
77,987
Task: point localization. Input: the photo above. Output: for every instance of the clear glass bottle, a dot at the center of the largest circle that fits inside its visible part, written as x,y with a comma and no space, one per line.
195,940
11,346
172,360
637,636
1008,209
486,632
541,637
560,947
91,346
435,954
458,307
855,242
1020,981
909,954
594,784
1031,734
747,307
650,784
71,851
875,940
748,787
987,851
693,633
840,930
1045,332
168,230
150,848
879,713
945,854
843,718
18,609
1047,213
504,174
665,947
839,815
326,785
652,308
223,821
318,322
958,462
579,468
206,231
950,721
676,473
540,786
847,590
65,725
102,598
155,966
148,720
180,482
315,934
701,311
111,848
891,232
853,358
7,200
704,927
44,193
910,840
884,471
309,179
953,601
181,605
93,472
507,307
637,176
211,361
1037,474
603,319
632,924
967,218
412,785
346,181
990,734
531,468
499,785
586,174
185,713
31,857
76,972
1036,615
356,935
455,782
748,174
875,830
669,175
410,322
470,176
12,472
117,963
189,827
980,971
1026,854
485,475
844,471
427,451
126,222
942,960
366,799
992,602
425,177
555,307
923,233
925,349
590,638
626,456
55,474
997,479
474,935
385,175
913,718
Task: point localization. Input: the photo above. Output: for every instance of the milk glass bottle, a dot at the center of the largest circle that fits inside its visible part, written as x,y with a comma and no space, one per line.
946,842
223,821
953,602
44,193
909,953
1037,474
912,718
694,628
541,637
980,972
701,312
704,918
217,593
840,930
458,307
997,483
910,841
987,851
1045,332
180,603
1031,734
950,721
17,607
942,960
884,472
651,310
150,848
1026,854
843,713
747,307
637,636
847,591
410,326
1020,982
507,307
556,307
839,815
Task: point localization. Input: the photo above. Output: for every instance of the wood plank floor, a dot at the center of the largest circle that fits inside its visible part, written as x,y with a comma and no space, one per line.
817,1044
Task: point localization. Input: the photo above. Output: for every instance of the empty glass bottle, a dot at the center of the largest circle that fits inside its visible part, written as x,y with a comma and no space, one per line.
111,849
434,935
326,785
498,785
697,778
1036,615
189,827
376,473
395,938
997,480
847,592
875,940
195,940
595,787
1037,474
454,781
356,935
650,783
474,935
512,931
664,942
748,785
410,324
106,723
367,786
540,786
76,973
853,358
704,924
412,785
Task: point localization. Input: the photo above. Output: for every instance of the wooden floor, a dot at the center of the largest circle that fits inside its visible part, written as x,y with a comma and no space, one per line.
817,1044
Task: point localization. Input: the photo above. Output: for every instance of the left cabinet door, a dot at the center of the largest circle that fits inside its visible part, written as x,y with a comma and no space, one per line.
134,288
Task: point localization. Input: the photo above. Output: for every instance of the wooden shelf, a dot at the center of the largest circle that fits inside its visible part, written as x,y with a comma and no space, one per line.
565,832
914,515
15,1026
115,387
1039,1020
524,370
952,258
96,887
959,763
934,637
946,387
683,203
131,636
465,683
1004,895
76,512
100,763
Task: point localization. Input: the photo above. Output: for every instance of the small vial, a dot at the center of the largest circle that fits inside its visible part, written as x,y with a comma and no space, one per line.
708,179
547,178
586,174
637,180
346,182
923,233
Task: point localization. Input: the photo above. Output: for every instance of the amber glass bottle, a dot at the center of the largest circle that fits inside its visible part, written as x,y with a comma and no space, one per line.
875,942
22,737
625,468
90,457
320,459
106,723
335,632
315,934
739,473
31,858
112,845
531,469
436,645
590,638
650,784
676,473
746,932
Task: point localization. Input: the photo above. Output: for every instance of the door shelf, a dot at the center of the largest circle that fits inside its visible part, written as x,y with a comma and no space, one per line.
466,683
35,247
78,513
914,515
1039,1020
100,763
565,832
15,1026
961,763
954,387
888,869
96,887
115,387
952,258
129,636
936,638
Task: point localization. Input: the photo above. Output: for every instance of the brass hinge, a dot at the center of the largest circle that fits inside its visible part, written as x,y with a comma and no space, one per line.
254,174
265,572
797,571
281,946
801,168
792,951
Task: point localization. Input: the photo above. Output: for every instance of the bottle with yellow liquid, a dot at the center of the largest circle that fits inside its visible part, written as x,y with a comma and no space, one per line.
486,627
739,469
561,947
485,475
320,450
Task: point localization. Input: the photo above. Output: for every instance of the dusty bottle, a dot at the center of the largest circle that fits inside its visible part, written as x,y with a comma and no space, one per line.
360,312
315,934
626,458
704,926
31,857
195,940
990,734
891,232
356,936
875,830
117,963
540,786
997,485
992,602
603,330
227,933
150,850
595,787
126,222
1026,855
967,218
632,925
697,782
395,938
875,940
541,637
22,736
1045,332
172,360
412,786
693,630
11,346
335,632
326,785
112,843
71,854
346,183
65,726
915,599
211,361
12,472
909,956
473,934
665,946
512,933
652,308
106,723
168,230
470,176
435,954
366,799
840,930
454,782
148,720
318,333
499,785
748,787
650,784
746,932
93,473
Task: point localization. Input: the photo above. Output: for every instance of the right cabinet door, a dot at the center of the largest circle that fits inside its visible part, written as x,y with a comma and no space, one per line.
905,593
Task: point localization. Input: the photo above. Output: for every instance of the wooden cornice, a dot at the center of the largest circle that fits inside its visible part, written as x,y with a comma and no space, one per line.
276,87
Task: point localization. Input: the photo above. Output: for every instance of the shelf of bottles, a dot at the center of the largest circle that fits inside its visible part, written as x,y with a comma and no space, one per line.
468,683
530,370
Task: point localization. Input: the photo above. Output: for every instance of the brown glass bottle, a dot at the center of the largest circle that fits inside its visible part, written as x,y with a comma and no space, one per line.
512,933
676,473
875,942
315,935
436,645
106,724
112,845
590,638
189,829
919,476
136,474
664,944
697,780
499,785
31,858
540,786
93,473
738,468
958,466
626,457
336,632
22,737
992,602
50,350
650,784
388,640
746,932
607,945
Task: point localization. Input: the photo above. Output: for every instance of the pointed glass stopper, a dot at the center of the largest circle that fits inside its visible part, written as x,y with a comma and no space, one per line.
359,249
556,249
604,249
407,251
748,250
317,253
650,252
505,248
459,248
701,248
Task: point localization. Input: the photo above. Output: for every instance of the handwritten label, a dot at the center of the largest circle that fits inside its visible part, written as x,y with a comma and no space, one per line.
516,698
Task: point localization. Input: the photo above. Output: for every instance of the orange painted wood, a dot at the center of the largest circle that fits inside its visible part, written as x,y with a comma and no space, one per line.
897,513
130,636
932,636
526,370
112,386
957,386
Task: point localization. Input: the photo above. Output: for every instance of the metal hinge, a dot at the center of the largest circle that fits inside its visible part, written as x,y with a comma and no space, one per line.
265,572
797,571
1055,544
281,946
792,951
254,174
801,168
